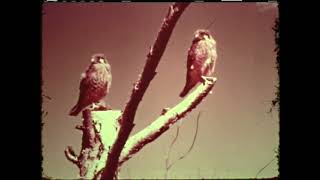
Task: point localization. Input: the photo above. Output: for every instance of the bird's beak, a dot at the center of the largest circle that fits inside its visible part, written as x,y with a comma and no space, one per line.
92,60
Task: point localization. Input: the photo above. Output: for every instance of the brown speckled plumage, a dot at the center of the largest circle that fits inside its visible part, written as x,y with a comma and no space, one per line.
201,61
95,83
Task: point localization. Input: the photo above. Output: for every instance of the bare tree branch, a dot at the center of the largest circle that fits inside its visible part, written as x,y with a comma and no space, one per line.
164,122
79,127
88,130
99,130
48,97
149,71
71,156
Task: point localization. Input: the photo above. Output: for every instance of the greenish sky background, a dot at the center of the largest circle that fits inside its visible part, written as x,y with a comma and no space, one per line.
236,137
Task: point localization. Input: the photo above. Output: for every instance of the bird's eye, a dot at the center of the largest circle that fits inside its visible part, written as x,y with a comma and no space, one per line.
101,60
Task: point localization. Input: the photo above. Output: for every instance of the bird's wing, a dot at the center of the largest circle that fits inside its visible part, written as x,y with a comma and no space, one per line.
87,86
191,56
206,56
198,55
108,83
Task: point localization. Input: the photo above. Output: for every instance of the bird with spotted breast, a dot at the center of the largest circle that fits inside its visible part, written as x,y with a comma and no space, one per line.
94,85
201,61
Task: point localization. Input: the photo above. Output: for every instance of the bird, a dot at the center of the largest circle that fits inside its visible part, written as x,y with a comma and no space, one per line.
201,60
95,83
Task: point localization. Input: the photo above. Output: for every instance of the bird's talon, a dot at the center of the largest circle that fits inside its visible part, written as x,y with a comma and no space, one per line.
94,106
209,79
204,79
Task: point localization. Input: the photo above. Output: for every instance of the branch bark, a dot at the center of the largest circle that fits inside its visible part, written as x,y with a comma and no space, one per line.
99,130
153,59
165,121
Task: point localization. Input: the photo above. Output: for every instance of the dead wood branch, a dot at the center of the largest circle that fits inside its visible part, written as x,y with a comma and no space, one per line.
164,122
99,128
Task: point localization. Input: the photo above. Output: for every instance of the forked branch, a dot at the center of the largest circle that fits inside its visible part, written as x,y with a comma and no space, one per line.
149,71
165,121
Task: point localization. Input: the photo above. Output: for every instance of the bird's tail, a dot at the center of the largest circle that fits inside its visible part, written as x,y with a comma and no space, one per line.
75,110
185,91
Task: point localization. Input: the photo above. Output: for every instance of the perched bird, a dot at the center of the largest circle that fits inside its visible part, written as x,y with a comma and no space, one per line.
201,61
95,83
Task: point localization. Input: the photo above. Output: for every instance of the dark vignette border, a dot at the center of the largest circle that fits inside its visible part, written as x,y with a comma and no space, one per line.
22,80
275,102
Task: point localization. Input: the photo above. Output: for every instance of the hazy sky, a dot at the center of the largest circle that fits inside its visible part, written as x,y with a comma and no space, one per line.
236,137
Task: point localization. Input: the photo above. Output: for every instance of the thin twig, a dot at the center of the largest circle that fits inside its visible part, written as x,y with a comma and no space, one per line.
169,151
48,97
193,142
208,26
265,167
190,148
71,155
